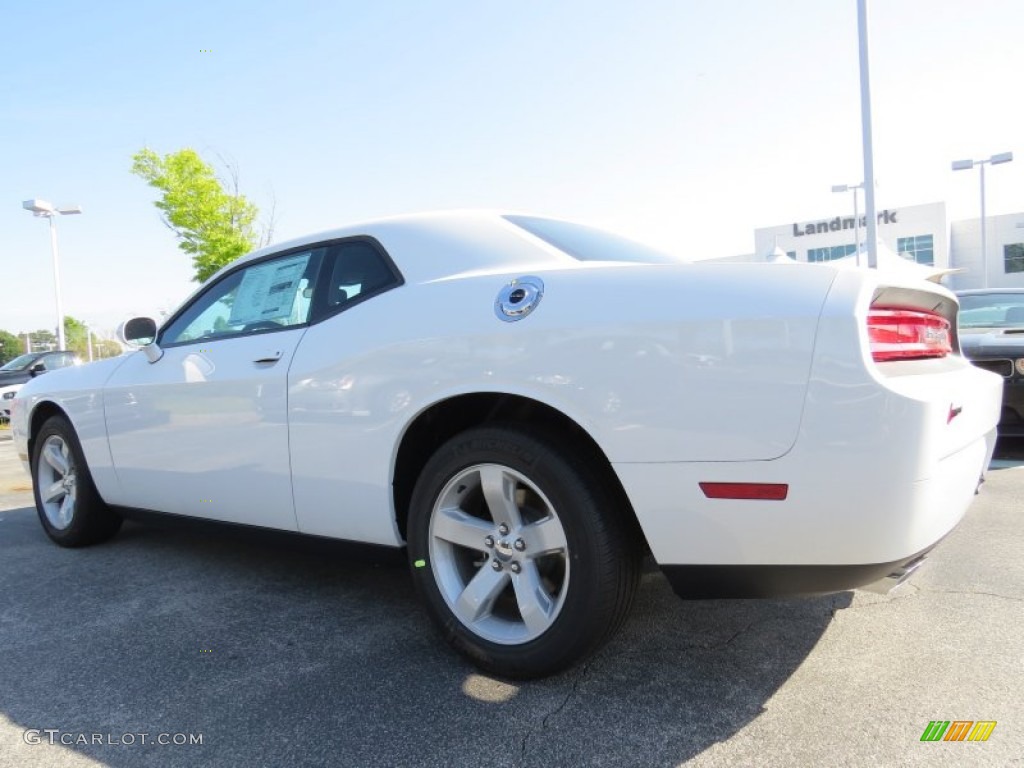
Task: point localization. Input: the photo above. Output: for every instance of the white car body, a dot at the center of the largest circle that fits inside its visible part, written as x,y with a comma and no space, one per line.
6,397
681,375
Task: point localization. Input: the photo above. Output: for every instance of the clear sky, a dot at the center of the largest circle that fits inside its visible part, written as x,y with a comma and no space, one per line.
683,123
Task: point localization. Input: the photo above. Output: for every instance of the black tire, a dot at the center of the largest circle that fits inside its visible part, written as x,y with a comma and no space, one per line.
577,595
74,515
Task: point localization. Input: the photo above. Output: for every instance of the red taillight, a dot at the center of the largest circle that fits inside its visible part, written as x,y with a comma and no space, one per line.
907,334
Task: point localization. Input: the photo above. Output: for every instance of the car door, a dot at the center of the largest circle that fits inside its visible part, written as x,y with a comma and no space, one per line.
203,430
342,391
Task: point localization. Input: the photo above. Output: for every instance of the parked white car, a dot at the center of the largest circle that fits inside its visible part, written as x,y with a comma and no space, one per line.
527,406
6,397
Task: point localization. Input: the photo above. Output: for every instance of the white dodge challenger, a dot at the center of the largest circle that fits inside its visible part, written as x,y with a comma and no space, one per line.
528,407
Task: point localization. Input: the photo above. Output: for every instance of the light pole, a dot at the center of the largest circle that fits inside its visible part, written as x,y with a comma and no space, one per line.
856,214
45,209
964,165
865,122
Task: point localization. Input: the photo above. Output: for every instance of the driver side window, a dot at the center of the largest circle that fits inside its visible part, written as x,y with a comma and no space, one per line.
264,296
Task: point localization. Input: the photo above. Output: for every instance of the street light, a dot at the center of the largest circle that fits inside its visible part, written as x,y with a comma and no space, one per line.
88,339
865,122
856,214
47,210
965,165
94,345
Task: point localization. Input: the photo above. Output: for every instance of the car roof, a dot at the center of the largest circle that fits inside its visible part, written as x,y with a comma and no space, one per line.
54,352
442,244
43,353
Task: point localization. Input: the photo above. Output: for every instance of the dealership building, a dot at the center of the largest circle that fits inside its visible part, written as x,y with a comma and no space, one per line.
920,233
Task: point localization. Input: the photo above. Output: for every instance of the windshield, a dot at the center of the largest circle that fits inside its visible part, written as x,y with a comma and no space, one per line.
589,244
19,362
992,310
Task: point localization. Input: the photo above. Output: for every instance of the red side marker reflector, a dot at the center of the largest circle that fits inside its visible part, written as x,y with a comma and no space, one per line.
954,411
760,491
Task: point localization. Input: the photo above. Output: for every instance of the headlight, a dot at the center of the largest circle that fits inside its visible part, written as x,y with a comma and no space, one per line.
10,395
1018,363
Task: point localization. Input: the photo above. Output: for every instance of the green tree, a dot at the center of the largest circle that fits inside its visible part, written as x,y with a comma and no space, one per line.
212,225
43,340
102,348
75,338
10,347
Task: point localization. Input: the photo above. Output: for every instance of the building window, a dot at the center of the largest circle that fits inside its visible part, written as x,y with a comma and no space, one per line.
791,254
919,248
1013,257
830,253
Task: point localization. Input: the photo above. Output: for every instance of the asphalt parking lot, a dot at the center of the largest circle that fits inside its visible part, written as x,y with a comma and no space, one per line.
275,656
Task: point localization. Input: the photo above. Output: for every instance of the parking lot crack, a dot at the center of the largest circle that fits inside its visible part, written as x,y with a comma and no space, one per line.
736,635
913,590
584,670
978,593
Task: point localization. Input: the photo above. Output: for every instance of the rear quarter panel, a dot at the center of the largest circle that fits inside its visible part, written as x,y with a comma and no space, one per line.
658,364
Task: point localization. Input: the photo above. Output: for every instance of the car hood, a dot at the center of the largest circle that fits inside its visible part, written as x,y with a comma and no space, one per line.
987,342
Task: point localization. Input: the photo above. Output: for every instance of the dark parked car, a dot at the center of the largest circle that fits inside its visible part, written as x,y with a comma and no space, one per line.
992,337
26,367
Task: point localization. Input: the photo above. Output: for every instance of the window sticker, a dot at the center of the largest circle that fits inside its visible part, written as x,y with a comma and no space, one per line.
268,291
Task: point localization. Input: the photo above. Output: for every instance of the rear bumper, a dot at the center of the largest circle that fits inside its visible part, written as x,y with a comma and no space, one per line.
699,582
835,530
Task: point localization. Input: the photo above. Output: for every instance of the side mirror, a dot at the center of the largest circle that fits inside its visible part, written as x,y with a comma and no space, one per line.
140,333
36,369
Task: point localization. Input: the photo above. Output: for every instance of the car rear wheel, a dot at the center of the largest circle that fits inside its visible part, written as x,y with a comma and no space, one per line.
518,553
69,507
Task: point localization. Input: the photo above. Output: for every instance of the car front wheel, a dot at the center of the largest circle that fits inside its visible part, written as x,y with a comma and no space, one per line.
518,553
70,508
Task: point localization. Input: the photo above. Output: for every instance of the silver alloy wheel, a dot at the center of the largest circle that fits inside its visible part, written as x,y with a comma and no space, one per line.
57,481
498,554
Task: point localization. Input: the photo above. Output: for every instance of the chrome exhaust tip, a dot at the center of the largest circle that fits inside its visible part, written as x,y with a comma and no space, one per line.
887,584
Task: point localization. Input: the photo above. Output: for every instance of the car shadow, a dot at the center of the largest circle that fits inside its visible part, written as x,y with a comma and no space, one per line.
304,656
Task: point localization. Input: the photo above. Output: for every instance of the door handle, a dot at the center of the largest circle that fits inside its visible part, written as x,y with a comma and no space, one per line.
270,356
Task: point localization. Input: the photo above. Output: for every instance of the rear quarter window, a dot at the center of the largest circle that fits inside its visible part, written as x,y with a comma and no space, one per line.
585,243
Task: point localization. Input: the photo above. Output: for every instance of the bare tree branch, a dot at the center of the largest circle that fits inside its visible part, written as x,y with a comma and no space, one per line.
269,222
